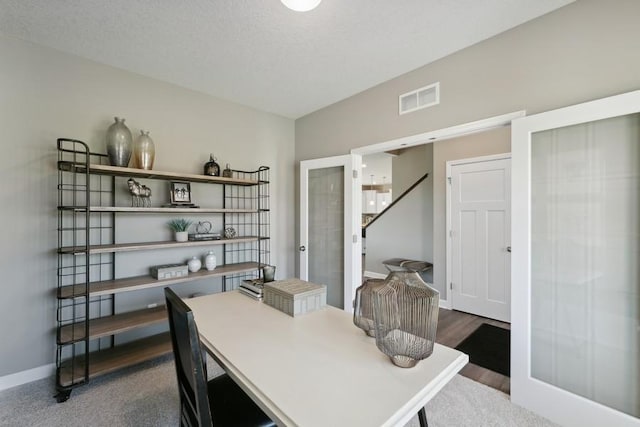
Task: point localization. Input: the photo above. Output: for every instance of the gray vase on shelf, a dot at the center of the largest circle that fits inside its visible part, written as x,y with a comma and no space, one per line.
144,151
119,143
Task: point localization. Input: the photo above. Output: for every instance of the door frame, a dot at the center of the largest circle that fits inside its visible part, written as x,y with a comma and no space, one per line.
438,135
567,408
450,164
352,239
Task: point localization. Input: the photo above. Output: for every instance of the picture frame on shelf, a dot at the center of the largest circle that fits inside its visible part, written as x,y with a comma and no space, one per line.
180,193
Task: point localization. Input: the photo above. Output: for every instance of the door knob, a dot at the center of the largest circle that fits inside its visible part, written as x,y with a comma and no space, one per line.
302,248
508,248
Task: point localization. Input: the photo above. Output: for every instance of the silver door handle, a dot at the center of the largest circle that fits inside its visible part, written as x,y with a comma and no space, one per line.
302,248
508,248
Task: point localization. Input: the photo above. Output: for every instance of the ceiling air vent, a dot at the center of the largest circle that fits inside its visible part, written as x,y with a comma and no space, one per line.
419,98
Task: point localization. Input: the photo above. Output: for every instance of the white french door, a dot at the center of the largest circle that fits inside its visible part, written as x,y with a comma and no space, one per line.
479,202
330,226
575,331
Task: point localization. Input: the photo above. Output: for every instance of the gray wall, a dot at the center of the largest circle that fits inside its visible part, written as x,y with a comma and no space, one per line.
47,94
584,51
406,229
495,141
409,166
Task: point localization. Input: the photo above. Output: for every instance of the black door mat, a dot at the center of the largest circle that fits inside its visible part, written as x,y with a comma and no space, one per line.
490,347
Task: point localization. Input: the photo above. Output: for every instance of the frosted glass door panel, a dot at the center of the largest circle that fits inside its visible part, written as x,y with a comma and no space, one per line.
585,260
326,231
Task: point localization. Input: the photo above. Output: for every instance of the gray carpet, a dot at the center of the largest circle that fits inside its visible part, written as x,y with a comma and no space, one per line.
147,395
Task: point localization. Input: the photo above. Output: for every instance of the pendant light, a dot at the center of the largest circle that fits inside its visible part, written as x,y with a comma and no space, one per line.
384,202
372,202
301,5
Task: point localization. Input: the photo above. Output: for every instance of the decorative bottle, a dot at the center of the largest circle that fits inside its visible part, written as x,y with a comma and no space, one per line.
194,264
210,261
119,143
144,151
211,167
227,172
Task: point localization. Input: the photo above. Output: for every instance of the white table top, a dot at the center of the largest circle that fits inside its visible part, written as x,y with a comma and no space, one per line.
317,369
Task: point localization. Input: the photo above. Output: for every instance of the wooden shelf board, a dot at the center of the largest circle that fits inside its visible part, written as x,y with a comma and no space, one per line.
111,325
128,247
127,209
152,174
105,361
136,283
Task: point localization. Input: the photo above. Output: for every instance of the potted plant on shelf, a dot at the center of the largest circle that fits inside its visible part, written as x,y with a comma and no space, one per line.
180,227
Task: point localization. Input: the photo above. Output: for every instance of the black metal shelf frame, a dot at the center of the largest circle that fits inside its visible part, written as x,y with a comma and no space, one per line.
79,226
257,223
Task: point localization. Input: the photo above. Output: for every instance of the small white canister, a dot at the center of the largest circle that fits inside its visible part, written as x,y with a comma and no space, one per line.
210,261
194,264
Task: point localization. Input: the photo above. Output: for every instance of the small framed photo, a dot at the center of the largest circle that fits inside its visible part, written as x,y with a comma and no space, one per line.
180,193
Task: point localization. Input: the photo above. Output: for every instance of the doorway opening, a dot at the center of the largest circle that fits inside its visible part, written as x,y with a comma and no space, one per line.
467,140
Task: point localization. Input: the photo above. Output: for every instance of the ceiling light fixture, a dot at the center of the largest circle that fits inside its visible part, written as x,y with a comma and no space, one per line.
301,5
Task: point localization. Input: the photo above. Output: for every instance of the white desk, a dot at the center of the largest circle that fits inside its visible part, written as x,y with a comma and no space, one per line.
317,369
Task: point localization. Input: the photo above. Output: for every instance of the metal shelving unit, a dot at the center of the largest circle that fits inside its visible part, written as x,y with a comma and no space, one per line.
87,322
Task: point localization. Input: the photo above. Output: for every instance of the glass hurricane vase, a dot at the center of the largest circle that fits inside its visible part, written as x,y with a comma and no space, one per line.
405,314
363,306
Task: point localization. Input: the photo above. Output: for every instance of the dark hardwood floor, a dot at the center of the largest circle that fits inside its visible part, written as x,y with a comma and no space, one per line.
453,328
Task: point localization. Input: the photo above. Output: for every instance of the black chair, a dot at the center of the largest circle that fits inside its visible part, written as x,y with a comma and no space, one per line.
219,402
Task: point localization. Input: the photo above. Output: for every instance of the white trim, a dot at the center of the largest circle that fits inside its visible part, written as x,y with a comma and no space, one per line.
354,180
446,304
24,377
501,156
352,221
441,134
375,275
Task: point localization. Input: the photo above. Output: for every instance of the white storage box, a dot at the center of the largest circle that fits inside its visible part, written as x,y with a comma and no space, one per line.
295,296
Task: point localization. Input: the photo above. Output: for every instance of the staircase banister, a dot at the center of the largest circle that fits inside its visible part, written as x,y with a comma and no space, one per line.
407,191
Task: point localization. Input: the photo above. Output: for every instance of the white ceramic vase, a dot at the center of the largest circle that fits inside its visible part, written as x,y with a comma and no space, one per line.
210,261
182,236
194,264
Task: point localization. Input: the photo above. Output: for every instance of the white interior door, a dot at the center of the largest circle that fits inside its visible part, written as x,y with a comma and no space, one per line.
330,240
575,348
480,235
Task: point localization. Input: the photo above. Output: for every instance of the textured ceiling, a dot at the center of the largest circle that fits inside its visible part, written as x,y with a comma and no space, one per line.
257,52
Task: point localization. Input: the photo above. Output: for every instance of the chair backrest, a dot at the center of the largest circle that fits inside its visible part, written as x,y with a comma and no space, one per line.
192,379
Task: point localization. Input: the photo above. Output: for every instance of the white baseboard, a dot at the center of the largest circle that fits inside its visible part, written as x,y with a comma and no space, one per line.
23,377
375,275
445,304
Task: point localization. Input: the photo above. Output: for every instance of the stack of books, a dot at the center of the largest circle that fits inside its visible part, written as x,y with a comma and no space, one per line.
252,288
204,236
